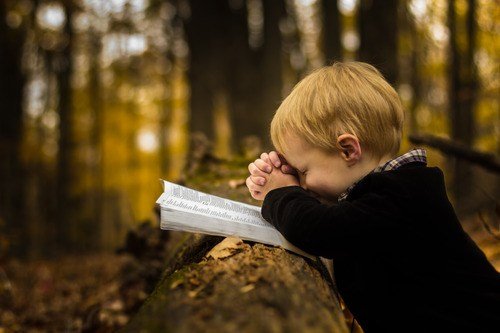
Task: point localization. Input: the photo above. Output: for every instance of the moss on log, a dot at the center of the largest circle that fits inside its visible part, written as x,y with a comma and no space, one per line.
246,288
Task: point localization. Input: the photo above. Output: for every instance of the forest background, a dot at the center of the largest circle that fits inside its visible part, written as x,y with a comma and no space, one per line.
99,99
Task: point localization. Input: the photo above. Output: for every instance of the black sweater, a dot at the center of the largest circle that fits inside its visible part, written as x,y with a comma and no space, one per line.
402,261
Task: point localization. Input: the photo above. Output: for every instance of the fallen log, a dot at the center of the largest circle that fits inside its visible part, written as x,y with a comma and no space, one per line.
239,287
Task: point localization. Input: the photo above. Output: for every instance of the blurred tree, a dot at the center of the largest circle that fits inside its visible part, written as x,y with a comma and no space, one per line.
12,35
378,30
416,81
208,33
244,79
223,64
462,93
97,131
63,67
272,62
105,82
295,64
331,31
39,184
166,104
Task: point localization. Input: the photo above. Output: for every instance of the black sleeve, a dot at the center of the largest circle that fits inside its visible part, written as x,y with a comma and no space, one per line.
329,231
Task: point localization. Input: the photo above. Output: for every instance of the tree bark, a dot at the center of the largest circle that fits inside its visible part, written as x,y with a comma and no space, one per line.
378,30
255,288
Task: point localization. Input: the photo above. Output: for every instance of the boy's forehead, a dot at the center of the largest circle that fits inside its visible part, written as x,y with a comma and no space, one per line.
293,153
289,159
292,142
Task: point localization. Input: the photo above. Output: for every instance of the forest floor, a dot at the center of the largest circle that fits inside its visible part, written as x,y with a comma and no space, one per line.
85,293
88,294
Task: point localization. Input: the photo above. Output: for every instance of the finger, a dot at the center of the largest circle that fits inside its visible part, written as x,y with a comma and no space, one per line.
255,194
263,166
254,170
258,180
275,159
265,157
252,186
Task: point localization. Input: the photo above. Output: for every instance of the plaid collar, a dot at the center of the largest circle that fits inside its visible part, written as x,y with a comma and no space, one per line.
414,155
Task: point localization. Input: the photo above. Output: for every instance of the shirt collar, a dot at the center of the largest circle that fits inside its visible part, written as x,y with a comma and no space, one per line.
414,155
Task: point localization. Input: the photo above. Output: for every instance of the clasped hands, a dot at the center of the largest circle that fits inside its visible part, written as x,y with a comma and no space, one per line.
269,172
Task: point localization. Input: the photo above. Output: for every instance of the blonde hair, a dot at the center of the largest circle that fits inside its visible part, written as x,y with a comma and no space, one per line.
349,97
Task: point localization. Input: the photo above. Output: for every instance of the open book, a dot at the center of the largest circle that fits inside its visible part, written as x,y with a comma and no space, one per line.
185,209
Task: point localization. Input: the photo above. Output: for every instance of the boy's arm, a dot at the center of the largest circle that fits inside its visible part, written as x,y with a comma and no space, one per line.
329,231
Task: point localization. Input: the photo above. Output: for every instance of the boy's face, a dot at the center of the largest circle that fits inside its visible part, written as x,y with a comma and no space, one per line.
325,175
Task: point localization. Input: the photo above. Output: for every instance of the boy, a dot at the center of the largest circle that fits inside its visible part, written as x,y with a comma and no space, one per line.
402,261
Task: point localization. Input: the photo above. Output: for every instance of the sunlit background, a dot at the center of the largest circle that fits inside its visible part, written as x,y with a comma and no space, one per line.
111,91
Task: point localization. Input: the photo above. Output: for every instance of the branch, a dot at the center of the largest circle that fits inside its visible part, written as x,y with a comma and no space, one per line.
486,160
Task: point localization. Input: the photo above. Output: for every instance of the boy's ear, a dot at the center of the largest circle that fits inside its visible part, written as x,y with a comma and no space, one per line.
350,148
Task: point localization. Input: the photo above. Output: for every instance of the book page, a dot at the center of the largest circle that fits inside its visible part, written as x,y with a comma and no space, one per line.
185,209
188,200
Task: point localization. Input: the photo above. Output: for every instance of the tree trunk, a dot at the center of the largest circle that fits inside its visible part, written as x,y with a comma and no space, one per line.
272,62
97,131
244,82
222,63
240,288
462,90
331,31
11,99
378,30
167,108
207,35
469,91
416,81
64,69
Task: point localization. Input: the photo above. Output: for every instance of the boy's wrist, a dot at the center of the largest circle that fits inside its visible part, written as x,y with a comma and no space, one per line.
273,186
276,190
